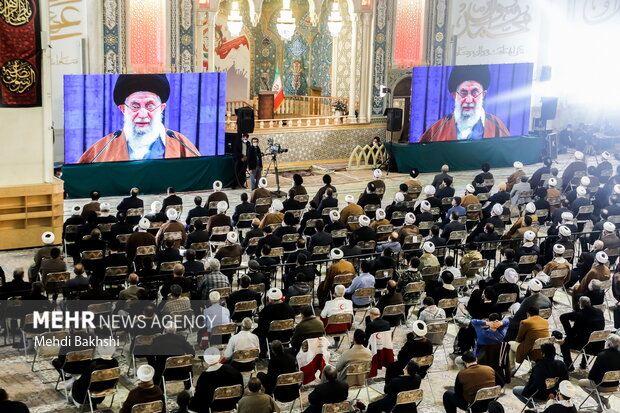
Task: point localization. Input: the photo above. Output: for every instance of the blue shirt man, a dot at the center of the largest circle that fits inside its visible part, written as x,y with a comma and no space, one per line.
364,280
489,332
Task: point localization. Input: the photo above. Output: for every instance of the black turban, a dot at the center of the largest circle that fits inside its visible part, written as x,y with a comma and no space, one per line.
128,84
460,74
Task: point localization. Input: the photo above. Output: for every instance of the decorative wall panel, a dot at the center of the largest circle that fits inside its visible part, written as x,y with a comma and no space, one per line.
111,36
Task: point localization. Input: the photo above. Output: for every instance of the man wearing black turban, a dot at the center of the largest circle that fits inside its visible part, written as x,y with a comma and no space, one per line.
142,100
468,86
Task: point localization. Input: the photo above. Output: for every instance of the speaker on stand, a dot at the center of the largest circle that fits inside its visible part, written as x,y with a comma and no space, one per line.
245,119
394,124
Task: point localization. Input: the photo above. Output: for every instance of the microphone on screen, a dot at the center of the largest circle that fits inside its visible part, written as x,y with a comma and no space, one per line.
173,136
116,135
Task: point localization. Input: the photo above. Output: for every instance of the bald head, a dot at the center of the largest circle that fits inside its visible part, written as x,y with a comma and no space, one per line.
598,245
133,279
330,373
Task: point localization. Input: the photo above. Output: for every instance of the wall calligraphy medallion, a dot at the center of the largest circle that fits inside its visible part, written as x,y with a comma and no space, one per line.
18,75
16,12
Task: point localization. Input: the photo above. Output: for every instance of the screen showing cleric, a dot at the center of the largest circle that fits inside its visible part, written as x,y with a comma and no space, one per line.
111,118
457,103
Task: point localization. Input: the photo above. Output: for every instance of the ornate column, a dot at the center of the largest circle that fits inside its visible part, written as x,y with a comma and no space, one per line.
206,9
353,80
211,46
365,63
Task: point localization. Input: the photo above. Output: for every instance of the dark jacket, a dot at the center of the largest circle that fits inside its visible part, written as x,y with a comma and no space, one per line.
197,211
309,327
243,208
143,393
171,200
544,369
325,393
78,391
584,322
206,385
607,360
392,388
278,364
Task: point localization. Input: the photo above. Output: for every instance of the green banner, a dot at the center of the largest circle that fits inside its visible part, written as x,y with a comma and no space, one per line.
151,176
466,155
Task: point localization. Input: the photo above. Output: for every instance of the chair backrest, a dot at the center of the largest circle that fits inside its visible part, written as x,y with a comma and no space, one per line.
105,375
230,261
321,249
80,355
288,379
474,208
353,219
243,306
459,282
415,287
58,277
224,291
281,325
173,235
528,259
339,233
447,303
371,207
507,298
385,273
325,212
358,369
430,271
146,340
342,407
344,279
437,328
393,310
276,252
168,265
425,225
342,318
597,336
559,273
585,209
302,198
367,245
122,238
246,356
100,308
92,255
447,200
290,238
457,235
105,227
542,340
116,271
179,361
488,393
385,229
151,407
435,211
364,293
247,217
424,360
263,201
409,397
223,329
545,313
202,219
220,230
257,288
227,392
145,250
299,300
611,376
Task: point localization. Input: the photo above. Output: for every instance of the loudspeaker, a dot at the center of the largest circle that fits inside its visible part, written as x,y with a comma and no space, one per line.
245,119
548,108
394,119
552,145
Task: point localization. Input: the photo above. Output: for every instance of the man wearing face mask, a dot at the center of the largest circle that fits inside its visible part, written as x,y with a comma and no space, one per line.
242,153
142,100
255,163
468,86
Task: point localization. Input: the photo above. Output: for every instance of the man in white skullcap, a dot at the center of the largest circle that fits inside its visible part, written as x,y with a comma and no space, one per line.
409,228
609,237
428,259
48,238
380,220
231,248
275,215
145,392
334,222
104,216
397,205
582,200
379,183
214,375
215,197
578,165
515,176
173,225
140,238
535,299
424,215
439,178
552,191
364,232
352,209
429,192
261,193
156,214
560,264
219,220
527,248
600,271
339,266
471,199
604,170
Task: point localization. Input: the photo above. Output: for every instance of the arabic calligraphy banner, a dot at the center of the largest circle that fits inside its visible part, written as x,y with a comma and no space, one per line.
20,60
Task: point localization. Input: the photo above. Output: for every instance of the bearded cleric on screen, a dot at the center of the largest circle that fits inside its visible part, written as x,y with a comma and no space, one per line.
468,86
142,100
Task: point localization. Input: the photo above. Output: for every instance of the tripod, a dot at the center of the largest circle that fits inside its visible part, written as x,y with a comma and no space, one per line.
274,162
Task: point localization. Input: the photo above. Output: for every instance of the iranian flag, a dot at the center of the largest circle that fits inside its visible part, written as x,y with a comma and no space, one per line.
279,89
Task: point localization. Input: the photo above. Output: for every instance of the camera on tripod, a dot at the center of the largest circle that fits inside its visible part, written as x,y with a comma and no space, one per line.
274,148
